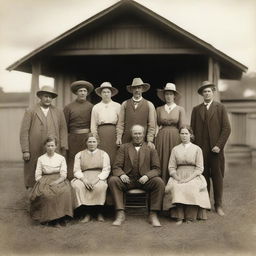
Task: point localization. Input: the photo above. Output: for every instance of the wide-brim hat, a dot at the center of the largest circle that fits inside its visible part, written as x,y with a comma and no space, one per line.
81,84
206,84
107,85
168,87
138,82
47,89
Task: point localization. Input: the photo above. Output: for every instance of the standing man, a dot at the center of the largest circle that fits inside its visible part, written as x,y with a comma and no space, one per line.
78,118
211,127
137,166
136,110
38,123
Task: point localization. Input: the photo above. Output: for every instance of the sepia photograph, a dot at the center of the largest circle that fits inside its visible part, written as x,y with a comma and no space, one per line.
127,127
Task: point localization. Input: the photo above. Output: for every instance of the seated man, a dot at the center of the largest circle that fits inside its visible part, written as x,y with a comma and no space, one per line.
137,166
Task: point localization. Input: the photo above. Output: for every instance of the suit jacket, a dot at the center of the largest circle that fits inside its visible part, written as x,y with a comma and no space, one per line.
148,161
218,125
33,134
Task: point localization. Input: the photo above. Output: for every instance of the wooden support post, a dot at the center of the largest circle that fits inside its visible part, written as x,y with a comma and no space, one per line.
214,75
36,71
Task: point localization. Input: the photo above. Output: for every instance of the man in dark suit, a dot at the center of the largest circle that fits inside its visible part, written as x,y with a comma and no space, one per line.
211,127
137,166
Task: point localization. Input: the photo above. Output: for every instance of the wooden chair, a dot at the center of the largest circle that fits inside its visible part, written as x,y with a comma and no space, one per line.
137,198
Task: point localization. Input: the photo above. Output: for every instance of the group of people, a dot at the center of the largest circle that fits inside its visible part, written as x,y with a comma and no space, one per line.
121,147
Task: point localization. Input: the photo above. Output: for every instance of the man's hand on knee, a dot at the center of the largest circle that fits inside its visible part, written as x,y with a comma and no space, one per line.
143,179
125,179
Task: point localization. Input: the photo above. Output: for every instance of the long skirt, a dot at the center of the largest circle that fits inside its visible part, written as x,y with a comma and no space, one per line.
188,212
83,196
107,136
193,192
167,138
51,202
76,143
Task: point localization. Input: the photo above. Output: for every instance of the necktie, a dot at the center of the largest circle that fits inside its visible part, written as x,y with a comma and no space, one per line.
205,111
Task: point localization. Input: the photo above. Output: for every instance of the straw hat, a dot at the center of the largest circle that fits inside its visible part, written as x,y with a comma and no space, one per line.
47,89
206,84
107,85
168,87
138,82
81,84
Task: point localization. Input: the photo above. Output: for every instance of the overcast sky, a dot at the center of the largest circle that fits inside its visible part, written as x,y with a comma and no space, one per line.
229,25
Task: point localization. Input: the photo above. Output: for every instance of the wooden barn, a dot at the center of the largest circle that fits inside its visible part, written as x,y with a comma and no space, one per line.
124,41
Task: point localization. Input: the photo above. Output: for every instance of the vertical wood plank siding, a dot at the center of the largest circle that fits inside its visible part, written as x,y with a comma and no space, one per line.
187,83
238,124
9,136
126,37
62,85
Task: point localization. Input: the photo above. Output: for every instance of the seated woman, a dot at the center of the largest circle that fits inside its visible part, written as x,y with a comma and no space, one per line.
186,191
51,196
91,170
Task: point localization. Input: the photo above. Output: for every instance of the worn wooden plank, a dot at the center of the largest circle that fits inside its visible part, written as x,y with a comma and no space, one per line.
36,71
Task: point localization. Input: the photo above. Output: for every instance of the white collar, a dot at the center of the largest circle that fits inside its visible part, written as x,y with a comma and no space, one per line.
186,145
170,108
138,100
45,110
92,152
106,103
208,104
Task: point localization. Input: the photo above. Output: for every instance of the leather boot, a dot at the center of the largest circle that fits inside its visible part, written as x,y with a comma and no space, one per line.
153,219
120,217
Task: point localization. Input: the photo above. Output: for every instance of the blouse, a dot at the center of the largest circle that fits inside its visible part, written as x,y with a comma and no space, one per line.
186,155
78,173
104,113
51,165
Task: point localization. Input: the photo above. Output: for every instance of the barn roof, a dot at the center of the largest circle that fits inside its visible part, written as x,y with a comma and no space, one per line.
230,64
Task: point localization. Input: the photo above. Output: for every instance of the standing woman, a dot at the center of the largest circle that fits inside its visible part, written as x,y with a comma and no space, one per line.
78,118
91,170
170,117
51,197
104,119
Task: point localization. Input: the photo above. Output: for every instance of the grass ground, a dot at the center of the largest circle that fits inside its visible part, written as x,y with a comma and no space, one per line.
234,234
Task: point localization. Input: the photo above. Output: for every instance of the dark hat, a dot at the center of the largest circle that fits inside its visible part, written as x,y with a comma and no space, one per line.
138,82
47,89
168,87
107,85
81,84
206,84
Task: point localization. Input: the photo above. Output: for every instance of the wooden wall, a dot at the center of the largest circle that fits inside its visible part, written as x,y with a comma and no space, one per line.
11,116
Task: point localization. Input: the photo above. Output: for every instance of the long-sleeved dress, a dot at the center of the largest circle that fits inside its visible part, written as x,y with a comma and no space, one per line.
168,135
184,161
103,125
92,166
51,202
78,118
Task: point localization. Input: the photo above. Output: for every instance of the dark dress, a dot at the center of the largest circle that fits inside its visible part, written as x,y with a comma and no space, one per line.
168,135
